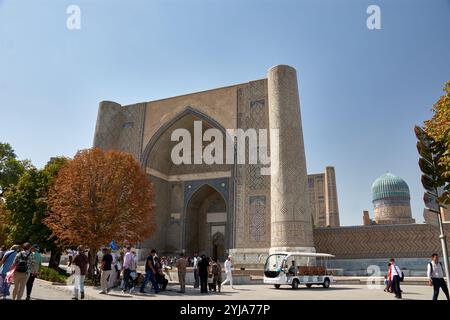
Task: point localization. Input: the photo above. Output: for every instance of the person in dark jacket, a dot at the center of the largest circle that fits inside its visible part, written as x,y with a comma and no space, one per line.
80,263
203,274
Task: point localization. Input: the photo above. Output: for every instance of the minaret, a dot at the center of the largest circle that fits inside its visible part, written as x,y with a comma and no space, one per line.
291,226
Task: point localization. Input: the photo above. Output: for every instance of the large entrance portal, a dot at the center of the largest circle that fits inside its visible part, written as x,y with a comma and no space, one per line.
206,223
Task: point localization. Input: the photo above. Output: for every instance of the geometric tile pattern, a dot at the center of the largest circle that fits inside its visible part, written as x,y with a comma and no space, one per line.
257,218
379,241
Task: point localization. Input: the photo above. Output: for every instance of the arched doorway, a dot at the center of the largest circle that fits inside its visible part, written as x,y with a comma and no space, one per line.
171,181
218,246
206,223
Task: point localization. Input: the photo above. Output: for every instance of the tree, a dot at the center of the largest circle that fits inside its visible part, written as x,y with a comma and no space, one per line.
4,225
438,129
100,196
10,168
26,205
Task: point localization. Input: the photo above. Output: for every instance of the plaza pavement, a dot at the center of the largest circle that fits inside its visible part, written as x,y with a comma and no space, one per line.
46,291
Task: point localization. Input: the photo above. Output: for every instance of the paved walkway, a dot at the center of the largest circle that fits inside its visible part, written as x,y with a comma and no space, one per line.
46,291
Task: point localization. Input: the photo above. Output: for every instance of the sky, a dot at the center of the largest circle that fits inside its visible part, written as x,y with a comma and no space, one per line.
361,91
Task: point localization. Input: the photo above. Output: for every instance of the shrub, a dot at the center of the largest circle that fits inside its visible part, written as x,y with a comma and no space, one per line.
52,275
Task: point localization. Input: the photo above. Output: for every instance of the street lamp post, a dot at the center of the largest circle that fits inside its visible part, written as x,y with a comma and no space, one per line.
443,239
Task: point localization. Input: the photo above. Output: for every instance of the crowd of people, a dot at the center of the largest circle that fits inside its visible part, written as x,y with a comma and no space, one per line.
435,275
121,267
19,265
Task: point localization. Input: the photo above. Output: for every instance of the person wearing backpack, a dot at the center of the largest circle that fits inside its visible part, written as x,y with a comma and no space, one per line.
24,264
435,274
36,270
396,278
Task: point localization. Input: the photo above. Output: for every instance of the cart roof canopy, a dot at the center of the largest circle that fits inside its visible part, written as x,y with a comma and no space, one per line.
305,254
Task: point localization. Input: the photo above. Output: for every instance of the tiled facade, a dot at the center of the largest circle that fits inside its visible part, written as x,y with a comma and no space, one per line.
232,208
323,198
257,212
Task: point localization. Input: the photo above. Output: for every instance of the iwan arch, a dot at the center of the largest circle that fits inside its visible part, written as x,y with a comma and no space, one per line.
220,208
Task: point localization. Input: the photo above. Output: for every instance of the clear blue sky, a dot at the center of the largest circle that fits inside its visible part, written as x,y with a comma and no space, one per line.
361,91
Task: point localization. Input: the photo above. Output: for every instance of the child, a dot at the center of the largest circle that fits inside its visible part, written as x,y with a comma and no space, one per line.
387,284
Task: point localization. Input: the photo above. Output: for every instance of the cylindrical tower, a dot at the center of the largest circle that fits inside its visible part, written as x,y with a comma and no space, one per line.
291,226
107,128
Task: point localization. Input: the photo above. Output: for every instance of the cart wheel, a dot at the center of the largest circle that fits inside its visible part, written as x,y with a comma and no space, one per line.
326,283
308,285
295,284
277,286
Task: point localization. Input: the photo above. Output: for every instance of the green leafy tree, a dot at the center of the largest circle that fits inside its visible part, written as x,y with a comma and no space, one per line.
10,168
4,225
438,129
26,203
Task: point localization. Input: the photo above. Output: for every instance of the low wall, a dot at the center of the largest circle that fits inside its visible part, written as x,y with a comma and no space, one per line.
358,247
384,241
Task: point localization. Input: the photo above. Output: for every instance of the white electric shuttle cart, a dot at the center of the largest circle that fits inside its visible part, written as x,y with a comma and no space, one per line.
297,268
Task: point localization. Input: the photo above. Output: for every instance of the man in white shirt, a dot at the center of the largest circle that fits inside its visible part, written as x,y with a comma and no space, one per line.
396,275
128,262
227,266
196,260
435,274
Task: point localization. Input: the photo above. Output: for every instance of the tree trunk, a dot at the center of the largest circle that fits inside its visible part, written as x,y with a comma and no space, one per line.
92,256
55,259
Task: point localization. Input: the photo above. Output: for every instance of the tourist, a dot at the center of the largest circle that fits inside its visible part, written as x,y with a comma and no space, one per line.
37,269
105,268
210,275
166,267
128,261
5,265
216,271
181,265
150,273
396,277
160,277
435,274
80,263
24,264
203,274
70,254
133,273
388,282
228,265
120,268
113,277
292,269
195,261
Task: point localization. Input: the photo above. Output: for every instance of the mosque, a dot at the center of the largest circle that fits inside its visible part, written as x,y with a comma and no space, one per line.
226,208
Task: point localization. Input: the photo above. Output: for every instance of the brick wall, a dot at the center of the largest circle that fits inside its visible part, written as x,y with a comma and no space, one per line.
368,242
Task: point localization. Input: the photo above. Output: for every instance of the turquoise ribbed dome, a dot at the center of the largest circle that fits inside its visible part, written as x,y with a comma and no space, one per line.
389,186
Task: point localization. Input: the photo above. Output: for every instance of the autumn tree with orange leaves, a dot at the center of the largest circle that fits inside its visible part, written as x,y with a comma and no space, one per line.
100,196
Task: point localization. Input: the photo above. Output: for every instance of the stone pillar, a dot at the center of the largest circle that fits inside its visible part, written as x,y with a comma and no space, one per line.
107,128
291,226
